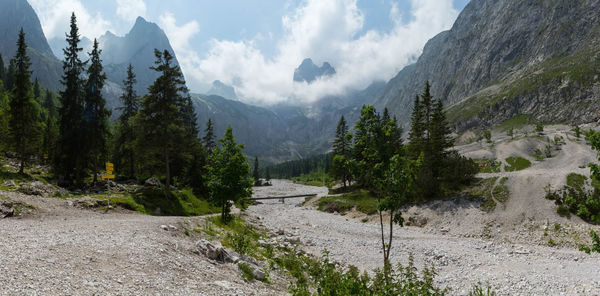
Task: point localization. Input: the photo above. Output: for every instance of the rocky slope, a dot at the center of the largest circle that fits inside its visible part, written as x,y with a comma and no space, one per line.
507,57
17,14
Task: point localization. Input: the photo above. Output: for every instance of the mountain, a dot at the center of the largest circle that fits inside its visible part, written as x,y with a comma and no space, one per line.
309,72
57,44
504,58
221,89
17,14
136,47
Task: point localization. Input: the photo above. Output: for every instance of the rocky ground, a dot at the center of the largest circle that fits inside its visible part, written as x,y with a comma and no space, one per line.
517,268
66,250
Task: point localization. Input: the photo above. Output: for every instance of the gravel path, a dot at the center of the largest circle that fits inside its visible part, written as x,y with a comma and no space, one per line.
511,269
63,250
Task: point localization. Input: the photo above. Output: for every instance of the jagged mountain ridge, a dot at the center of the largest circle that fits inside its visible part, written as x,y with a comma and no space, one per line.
17,14
309,72
136,47
503,58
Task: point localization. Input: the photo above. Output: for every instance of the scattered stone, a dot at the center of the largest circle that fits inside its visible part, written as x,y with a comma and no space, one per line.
6,211
214,251
418,221
9,183
164,227
152,182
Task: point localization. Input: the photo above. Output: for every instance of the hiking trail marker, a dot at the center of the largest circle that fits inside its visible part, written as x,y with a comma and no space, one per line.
108,175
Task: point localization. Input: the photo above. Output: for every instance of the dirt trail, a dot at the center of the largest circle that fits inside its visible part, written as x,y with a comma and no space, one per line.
512,269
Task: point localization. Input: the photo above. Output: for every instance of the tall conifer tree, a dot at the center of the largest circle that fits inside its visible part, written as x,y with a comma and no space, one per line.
161,121
70,159
126,139
2,69
209,138
24,119
95,114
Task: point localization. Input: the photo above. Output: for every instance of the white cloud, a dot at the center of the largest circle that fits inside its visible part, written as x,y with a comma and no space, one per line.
322,30
129,10
55,17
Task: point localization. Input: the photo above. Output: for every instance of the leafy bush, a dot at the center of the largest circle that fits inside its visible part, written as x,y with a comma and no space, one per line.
362,200
595,244
574,198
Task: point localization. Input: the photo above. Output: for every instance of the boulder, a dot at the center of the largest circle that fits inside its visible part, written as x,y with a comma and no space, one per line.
9,183
6,211
152,182
418,221
214,251
37,188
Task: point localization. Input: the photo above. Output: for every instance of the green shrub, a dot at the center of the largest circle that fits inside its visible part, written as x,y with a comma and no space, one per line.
361,200
574,198
595,244
576,180
246,271
478,290
563,211
516,164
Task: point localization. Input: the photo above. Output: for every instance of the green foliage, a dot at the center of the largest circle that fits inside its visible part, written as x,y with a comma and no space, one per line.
126,136
209,139
487,134
316,177
539,128
478,290
228,174
576,180
306,166
24,117
577,131
510,132
574,198
323,278
361,200
516,164
517,121
255,174
247,272
162,122
153,202
342,148
595,247
95,115
70,158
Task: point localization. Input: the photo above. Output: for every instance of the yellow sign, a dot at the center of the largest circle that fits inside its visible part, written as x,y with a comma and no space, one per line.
110,166
45,156
108,176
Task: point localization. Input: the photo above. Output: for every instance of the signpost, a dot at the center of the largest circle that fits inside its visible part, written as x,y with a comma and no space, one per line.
108,175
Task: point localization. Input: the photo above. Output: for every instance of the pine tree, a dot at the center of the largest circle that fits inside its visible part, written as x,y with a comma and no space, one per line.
416,136
162,128
267,175
9,80
228,174
340,144
440,142
70,153
2,69
126,132
37,91
255,174
50,128
209,136
95,114
24,119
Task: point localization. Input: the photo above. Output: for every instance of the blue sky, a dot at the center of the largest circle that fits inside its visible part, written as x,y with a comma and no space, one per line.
254,45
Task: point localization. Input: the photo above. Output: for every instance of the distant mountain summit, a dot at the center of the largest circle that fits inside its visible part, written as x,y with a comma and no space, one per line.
221,89
137,48
17,14
309,72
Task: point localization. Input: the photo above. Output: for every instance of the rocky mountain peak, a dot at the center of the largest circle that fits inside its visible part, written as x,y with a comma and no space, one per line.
309,72
221,89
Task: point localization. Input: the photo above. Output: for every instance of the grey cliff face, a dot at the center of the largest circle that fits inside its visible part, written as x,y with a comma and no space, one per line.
137,48
17,14
503,58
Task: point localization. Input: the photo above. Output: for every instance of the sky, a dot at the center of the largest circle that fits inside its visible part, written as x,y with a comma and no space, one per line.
255,45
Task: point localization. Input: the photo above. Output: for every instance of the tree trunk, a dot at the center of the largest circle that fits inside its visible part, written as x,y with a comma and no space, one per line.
131,174
22,167
385,263
168,171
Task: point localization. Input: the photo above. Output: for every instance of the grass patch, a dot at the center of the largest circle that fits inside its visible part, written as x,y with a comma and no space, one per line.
315,178
517,121
362,200
155,202
576,180
482,190
516,164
